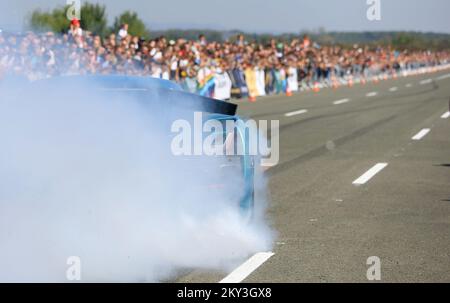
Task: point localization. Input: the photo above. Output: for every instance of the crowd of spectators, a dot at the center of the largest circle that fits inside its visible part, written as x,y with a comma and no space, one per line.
194,63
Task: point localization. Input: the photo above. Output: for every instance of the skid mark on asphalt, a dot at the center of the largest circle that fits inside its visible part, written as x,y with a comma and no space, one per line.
364,109
323,149
394,97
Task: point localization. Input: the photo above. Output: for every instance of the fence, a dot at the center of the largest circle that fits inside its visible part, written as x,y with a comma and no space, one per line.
255,82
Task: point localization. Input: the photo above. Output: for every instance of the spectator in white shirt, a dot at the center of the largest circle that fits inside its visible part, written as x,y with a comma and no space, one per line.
75,29
123,32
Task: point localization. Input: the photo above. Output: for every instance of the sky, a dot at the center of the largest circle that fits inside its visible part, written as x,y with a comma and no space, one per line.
259,15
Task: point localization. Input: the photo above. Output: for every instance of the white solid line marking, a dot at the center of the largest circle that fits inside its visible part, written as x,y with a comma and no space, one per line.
446,115
427,81
369,174
443,77
341,101
372,94
298,112
421,134
393,89
409,85
243,271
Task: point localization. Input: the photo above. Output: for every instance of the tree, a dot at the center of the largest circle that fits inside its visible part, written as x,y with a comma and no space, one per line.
93,18
55,21
136,26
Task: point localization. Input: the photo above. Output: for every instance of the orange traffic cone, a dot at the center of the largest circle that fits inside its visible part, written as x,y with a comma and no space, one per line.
288,92
316,87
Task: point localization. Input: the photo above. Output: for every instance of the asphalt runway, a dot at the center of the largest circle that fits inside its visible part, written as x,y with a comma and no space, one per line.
353,183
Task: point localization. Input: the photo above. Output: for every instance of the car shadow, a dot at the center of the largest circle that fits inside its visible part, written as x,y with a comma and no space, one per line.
443,165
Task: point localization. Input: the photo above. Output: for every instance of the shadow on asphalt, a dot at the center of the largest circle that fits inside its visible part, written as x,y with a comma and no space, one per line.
442,165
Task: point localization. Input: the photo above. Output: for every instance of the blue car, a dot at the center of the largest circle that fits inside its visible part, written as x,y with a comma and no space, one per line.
153,92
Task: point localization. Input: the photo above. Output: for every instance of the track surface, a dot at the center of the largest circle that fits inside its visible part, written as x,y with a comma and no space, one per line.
328,226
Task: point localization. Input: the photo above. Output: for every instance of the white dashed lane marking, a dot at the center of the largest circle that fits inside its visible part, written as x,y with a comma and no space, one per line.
372,94
446,115
298,112
443,77
408,85
243,271
370,174
341,101
421,134
426,81
393,89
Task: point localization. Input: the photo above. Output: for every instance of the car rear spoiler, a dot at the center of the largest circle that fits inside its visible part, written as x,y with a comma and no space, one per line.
199,103
144,89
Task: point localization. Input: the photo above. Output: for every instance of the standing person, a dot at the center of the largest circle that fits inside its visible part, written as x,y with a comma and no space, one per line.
306,42
202,40
280,78
260,79
292,77
173,62
75,30
237,76
269,78
123,31
188,80
241,40
222,84
76,33
251,80
205,78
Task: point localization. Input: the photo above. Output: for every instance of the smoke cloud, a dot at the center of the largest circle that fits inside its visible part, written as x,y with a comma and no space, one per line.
83,174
